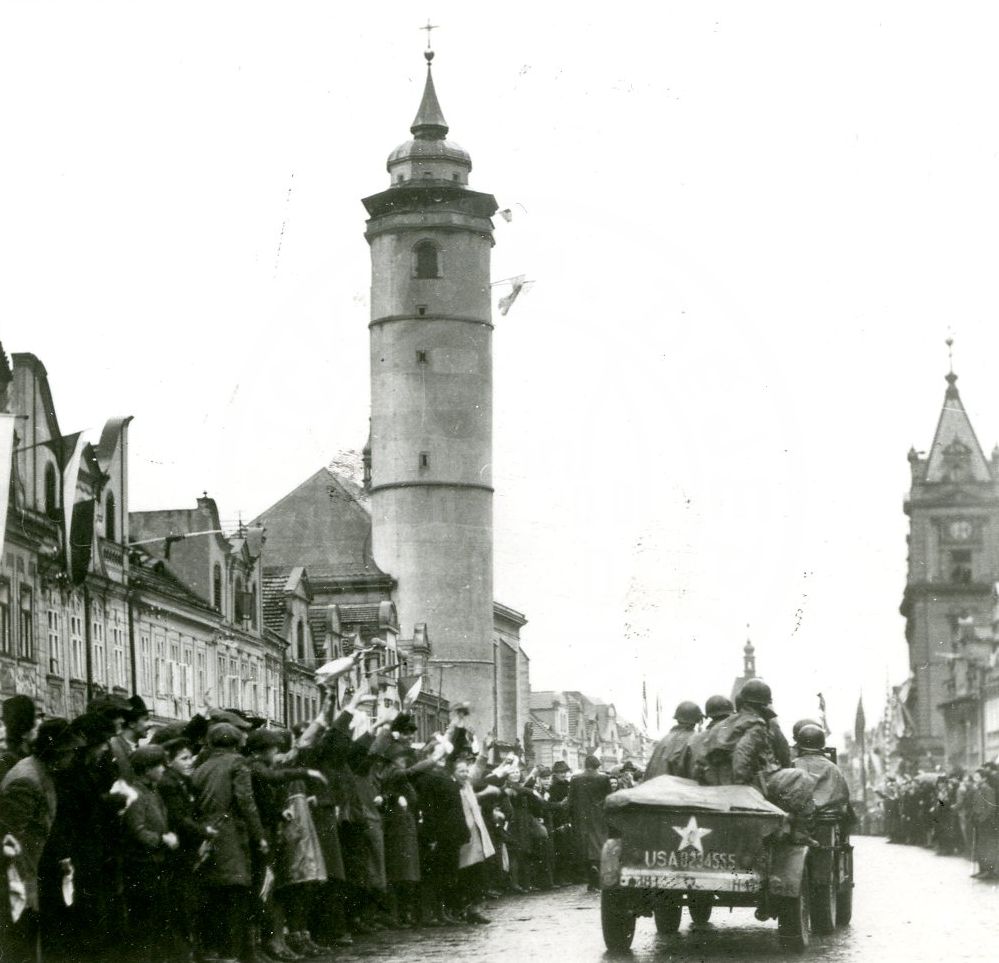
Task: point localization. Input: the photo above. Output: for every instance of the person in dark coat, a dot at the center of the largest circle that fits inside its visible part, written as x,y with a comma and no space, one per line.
442,833
224,793
28,805
148,840
742,748
984,815
400,819
587,792
671,755
19,718
566,863
183,883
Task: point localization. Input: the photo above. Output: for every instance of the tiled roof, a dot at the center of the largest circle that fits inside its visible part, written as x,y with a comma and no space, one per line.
272,590
543,700
366,614
324,525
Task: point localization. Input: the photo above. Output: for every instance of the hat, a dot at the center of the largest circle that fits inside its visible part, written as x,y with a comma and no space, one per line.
112,706
196,729
147,757
561,766
229,716
167,733
404,722
19,715
629,766
544,772
93,728
137,707
463,707
56,736
222,735
262,739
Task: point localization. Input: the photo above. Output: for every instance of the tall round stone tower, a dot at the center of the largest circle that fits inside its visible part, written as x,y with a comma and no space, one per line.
431,403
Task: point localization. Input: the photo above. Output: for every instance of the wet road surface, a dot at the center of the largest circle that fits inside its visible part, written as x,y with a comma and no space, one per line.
909,905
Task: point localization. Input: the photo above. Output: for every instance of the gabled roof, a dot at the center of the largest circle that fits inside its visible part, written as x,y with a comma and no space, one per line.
544,699
955,442
148,571
323,525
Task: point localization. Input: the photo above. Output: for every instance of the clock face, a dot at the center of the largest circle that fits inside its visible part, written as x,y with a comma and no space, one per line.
960,530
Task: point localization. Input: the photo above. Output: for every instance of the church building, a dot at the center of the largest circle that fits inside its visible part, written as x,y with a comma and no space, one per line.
953,564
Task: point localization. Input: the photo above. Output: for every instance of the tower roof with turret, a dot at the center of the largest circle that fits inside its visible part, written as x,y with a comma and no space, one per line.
955,454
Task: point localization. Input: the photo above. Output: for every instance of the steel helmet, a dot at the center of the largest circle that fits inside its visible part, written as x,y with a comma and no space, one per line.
717,707
688,713
800,724
755,692
810,736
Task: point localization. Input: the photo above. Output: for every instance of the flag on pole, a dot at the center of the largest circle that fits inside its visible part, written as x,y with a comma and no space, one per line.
506,214
659,713
70,475
517,285
822,715
6,462
645,709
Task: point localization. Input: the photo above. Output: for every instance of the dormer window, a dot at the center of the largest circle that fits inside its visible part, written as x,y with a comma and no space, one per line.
426,260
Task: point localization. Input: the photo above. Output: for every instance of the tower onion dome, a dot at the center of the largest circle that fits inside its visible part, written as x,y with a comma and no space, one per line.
429,155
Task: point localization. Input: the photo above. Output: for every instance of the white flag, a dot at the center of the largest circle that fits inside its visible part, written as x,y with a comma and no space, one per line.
517,285
70,474
6,460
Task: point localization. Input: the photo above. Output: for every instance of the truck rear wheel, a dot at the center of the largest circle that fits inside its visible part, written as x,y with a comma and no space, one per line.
823,906
617,921
667,917
793,918
844,904
700,910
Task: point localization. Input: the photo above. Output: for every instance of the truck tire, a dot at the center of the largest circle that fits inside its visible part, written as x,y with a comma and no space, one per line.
823,907
617,921
793,918
667,916
700,911
844,904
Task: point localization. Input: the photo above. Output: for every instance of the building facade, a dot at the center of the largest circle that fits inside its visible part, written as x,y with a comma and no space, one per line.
953,564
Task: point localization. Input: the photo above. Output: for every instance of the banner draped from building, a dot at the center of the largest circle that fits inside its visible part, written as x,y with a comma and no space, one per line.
70,474
6,461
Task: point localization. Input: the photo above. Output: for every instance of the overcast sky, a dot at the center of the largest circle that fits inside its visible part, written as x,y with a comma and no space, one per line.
751,228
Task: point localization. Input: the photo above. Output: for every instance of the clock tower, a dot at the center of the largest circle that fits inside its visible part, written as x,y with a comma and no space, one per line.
953,563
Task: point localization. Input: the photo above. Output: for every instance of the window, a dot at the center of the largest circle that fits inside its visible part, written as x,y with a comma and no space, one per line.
217,587
300,641
186,674
26,641
456,177
109,519
159,649
6,642
426,260
960,565
77,658
145,663
55,642
202,666
421,310
237,604
424,459
99,667
253,605
298,709
118,673
51,490
423,357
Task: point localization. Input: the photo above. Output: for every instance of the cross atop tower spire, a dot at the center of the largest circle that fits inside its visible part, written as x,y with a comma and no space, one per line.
430,26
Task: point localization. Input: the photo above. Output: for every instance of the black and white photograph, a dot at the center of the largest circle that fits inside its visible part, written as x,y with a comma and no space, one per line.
499,483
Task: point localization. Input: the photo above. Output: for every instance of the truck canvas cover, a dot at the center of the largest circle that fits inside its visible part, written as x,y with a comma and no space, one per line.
676,793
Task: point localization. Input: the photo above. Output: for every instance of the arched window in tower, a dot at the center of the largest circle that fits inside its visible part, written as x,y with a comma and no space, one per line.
217,587
300,641
426,260
51,490
109,526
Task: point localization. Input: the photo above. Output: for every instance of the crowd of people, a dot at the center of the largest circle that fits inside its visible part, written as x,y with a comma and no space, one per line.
222,838
954,813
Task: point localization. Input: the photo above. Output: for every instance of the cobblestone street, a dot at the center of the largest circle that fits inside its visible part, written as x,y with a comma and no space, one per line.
910,904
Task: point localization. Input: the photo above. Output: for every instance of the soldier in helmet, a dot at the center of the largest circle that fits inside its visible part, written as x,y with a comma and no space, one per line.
742,746
717,709
671,756
831,794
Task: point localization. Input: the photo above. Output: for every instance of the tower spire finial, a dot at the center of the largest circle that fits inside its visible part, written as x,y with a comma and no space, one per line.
429,52
951,378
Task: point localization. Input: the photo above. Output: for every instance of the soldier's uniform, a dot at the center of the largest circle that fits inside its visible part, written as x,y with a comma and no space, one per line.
671,756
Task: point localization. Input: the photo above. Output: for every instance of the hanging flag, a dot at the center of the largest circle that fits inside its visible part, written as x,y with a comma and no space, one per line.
645,709
70,475
517,285
6,464
506,214
659,713
822,715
